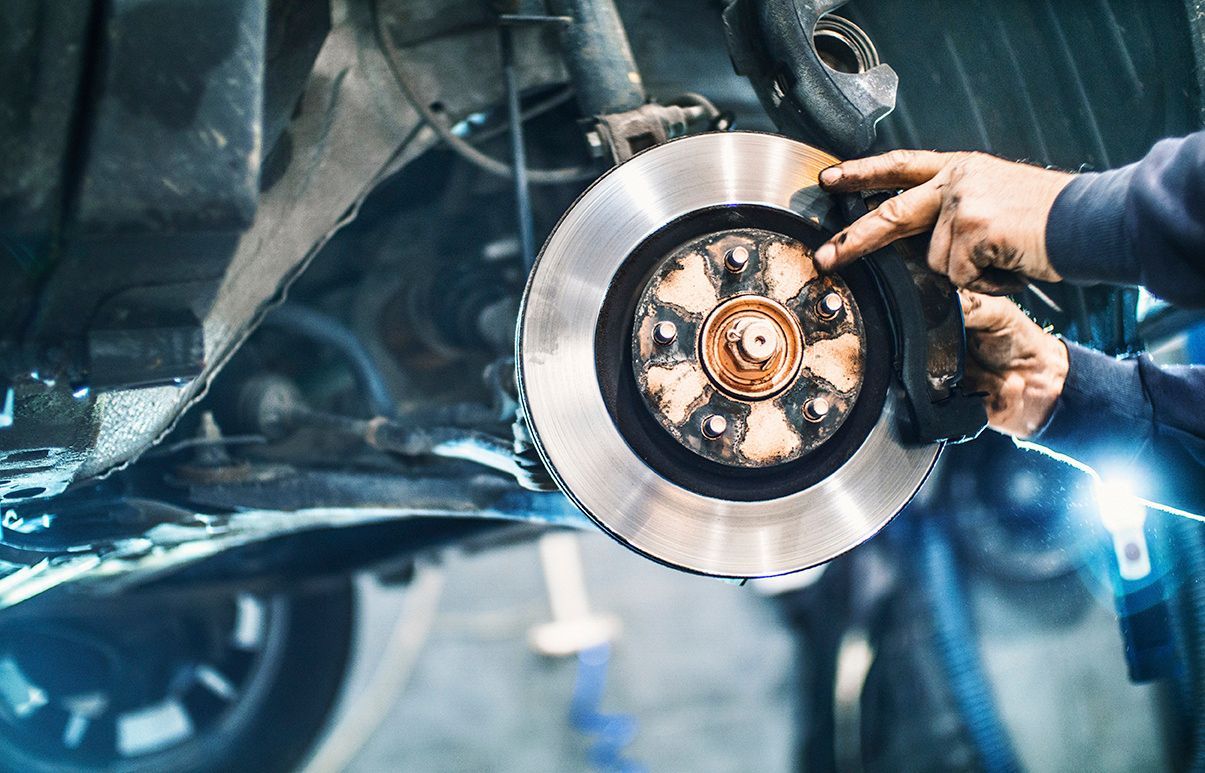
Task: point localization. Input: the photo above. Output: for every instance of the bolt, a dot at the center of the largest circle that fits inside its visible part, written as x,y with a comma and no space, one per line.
595,141
736,259
664,333
816,409
714,426
831,305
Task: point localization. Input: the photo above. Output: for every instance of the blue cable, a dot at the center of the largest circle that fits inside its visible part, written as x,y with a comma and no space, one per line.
323,328
612,732
957,653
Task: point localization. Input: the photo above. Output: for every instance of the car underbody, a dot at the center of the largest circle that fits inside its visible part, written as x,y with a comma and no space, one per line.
264,262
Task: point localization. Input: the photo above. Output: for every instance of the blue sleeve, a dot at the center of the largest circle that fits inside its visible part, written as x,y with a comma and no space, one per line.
1143,224
1134,415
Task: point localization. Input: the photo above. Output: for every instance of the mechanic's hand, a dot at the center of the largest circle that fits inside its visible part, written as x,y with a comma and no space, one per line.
1020,366
988,215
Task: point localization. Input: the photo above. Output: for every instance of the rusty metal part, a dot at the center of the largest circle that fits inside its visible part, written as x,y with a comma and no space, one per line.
753,348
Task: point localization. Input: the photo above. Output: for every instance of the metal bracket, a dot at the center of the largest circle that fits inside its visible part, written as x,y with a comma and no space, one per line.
811,96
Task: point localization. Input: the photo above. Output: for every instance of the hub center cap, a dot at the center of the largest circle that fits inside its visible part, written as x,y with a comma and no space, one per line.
751,347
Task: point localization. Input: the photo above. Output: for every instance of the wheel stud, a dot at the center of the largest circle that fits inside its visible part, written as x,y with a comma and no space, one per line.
736,259
830,306
714,426
816,409
664,333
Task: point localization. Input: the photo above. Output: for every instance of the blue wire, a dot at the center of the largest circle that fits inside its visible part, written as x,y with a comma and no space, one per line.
612,732
957,653
323,328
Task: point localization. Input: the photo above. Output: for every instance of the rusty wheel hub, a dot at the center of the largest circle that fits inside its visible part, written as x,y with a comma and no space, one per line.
743,352
751,347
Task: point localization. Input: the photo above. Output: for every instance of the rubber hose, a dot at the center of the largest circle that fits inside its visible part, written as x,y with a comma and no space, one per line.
323,328
957,652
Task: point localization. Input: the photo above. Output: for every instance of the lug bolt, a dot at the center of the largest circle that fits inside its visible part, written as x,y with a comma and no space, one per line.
736,259
830,306
816,409
664,333
714,426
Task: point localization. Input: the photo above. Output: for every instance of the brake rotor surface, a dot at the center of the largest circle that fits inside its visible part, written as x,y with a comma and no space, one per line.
690,380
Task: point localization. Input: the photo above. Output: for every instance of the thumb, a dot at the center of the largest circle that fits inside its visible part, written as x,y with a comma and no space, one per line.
985,312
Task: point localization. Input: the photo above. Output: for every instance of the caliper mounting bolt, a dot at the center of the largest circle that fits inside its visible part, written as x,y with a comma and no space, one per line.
714,426
664,333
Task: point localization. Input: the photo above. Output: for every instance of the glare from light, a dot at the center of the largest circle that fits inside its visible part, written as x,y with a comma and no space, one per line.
1119,509
1124,515
1095,476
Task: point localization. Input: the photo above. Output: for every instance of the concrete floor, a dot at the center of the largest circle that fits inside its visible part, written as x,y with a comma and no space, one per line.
704,668
479,699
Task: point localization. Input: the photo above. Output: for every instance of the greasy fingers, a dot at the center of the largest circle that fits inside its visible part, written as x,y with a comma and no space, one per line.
913,211
896,169
987,312
940,243
991,215
1020,367
1004,397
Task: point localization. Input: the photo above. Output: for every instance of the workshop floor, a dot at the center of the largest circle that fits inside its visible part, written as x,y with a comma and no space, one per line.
479,699
702,670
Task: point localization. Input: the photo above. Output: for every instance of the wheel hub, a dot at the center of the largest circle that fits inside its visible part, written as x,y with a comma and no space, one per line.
751,347
739,326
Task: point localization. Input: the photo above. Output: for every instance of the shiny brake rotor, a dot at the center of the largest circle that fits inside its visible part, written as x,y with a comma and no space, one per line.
691,381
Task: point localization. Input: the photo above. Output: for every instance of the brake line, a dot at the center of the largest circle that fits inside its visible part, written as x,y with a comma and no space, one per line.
459,145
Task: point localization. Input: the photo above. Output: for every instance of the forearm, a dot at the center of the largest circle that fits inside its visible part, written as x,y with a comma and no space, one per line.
1134,416
1143,224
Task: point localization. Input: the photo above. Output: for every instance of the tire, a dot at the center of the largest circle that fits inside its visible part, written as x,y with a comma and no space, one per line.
179,681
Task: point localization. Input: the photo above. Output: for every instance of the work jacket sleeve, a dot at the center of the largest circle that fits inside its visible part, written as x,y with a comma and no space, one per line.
1143,224
1133,418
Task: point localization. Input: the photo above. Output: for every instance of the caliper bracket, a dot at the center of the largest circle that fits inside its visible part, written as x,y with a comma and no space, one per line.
930,341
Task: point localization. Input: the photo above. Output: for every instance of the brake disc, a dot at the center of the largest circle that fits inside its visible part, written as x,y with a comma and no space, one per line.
694,384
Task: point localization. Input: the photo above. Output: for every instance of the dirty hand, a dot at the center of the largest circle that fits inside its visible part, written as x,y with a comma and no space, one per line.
988,215
1020,366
